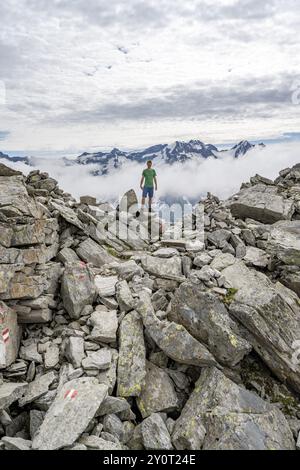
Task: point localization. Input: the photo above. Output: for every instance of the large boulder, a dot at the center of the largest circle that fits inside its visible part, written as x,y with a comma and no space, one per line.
173,339
132,356
263,203
284,242
205,316
15,201
270,315
220,415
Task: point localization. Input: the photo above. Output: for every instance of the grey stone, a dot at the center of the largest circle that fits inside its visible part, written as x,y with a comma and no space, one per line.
170,269
98,360
51,356
132,356
124,296
155,434
158,393
284,242
74,350
16,443
77,289
172,338
206,318
69,415
270,314
94,442
256,257
29,352
105,325
106,285
263,203
36,419
11,392
165,252
91,252
10,335
222,415
37,388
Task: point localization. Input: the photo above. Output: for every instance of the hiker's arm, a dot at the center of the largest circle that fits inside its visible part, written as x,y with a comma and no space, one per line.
155,181
142,181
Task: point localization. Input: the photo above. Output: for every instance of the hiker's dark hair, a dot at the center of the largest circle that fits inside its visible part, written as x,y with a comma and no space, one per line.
149,161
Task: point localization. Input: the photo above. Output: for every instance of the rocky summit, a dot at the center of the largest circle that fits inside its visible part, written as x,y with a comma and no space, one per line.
115,334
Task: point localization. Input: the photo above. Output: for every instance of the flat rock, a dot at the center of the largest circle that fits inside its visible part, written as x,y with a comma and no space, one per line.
69,415
263,203
165,252
16,443
98,443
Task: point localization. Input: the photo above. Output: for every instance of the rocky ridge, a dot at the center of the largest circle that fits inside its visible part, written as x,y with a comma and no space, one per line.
114,335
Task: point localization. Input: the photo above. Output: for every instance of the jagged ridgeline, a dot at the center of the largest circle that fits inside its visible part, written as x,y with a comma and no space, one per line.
146,342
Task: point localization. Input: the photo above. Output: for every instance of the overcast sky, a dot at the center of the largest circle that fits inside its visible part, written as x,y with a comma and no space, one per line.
87,74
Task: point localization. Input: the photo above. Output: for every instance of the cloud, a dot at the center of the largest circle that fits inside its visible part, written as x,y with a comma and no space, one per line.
82,66
192,180
4,135
218,100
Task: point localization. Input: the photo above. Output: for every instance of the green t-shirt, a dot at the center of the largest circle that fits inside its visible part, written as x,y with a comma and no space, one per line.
149,174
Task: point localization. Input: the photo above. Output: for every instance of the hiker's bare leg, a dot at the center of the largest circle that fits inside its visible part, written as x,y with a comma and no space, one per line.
143,202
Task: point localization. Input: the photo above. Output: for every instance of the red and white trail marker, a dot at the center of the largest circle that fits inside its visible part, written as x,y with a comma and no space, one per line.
71,394
5,335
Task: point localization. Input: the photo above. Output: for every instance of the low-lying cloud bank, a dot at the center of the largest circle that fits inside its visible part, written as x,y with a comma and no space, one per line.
192,180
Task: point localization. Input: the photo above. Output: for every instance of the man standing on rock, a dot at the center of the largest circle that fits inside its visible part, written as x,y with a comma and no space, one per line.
149,178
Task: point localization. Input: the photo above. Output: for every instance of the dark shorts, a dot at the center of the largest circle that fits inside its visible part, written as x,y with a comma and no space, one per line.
148,191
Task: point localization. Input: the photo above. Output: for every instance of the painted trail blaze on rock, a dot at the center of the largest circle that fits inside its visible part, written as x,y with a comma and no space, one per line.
10,333
75,405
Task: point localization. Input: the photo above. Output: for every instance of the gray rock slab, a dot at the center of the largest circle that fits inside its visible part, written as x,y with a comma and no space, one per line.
69,415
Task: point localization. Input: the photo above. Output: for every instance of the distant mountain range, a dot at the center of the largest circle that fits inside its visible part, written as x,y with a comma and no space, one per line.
4,156
178,152
161,154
